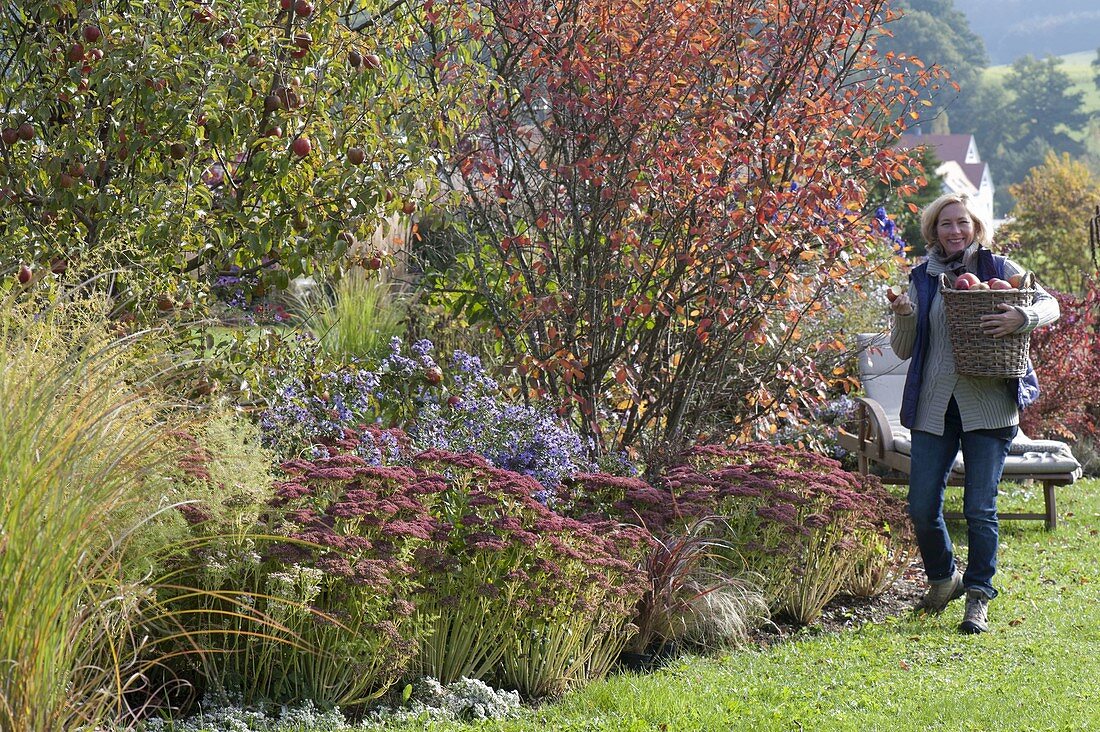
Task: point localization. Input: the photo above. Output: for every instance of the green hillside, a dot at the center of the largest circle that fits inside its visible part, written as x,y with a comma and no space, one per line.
1079,68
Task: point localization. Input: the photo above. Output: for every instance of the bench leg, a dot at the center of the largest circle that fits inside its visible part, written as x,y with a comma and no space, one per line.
1048,497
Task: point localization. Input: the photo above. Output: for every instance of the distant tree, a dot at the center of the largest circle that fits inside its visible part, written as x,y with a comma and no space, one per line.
1016,124
937,33
1050,222
1096,69
983,111
1046,108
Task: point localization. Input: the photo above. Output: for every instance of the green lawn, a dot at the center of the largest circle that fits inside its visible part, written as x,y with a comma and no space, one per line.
1038,668
1079,68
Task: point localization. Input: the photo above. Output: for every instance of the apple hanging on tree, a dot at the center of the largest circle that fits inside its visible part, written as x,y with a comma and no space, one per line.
301,146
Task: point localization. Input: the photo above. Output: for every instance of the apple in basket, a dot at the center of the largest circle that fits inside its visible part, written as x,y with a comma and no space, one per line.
1016,280
966,281
998,284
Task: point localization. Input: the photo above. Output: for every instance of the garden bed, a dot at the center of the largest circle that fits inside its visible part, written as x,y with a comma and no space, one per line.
846,612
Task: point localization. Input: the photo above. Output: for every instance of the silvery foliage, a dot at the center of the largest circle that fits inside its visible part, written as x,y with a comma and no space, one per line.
464,700
232,717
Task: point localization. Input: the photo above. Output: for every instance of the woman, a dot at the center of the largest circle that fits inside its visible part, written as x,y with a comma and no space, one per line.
946,411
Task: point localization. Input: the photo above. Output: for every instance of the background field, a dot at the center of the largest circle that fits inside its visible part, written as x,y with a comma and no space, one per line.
1079,68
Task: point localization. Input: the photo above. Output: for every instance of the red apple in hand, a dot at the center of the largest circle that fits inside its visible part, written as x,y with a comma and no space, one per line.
893,292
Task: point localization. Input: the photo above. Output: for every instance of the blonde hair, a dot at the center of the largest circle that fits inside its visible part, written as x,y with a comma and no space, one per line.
931,215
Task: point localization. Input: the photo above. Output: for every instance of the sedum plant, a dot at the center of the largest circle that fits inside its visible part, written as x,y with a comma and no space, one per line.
795,518
535,601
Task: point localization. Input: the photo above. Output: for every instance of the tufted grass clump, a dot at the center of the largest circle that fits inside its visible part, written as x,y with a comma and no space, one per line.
78,457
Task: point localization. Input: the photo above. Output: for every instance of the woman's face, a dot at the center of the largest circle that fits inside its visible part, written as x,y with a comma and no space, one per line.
954,229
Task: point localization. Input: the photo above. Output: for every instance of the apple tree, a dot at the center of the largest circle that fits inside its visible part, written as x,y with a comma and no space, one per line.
662,197
167,136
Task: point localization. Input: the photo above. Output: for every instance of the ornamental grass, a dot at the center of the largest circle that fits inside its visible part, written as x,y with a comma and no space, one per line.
356,529
365,312
77,453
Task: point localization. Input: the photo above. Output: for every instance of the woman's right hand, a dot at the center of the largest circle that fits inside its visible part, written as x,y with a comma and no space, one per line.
902,305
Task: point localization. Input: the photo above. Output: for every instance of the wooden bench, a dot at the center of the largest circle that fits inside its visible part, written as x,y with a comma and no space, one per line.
879,439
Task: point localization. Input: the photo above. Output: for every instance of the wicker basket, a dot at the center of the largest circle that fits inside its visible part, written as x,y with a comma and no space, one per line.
978,354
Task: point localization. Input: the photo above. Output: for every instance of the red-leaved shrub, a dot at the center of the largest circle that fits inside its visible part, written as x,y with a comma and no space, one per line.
1066,355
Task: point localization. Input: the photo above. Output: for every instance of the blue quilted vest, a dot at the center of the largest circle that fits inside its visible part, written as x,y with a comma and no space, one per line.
1026,389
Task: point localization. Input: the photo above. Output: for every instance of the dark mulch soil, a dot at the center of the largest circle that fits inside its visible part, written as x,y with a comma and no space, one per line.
846,612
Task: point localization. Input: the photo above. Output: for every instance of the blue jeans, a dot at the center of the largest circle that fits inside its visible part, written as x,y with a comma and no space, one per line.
984,453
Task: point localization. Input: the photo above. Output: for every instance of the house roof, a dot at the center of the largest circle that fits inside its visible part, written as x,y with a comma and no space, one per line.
949,148
975,172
